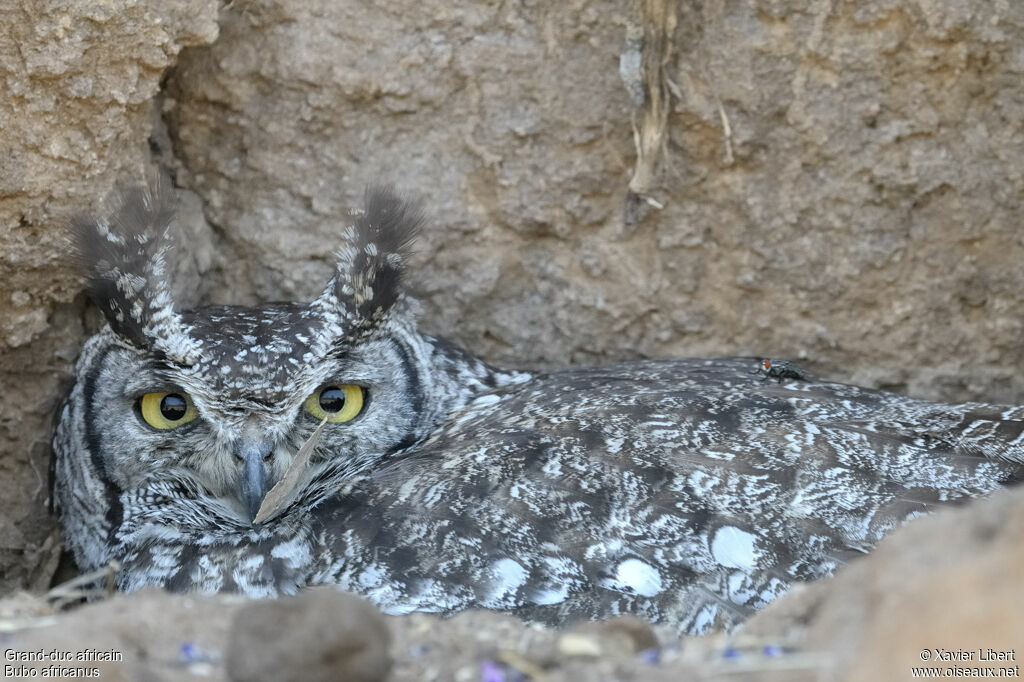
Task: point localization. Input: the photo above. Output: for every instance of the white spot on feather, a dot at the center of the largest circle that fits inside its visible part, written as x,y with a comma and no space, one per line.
643,578
295,551
372,576
734,548
510,572
489,399
509,576
549,597
704,619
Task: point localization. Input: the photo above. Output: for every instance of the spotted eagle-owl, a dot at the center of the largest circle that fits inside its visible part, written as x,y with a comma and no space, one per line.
689,491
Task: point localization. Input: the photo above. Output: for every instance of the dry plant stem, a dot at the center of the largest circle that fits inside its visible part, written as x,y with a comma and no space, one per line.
282,493
659,24
76,589
520,663
727,132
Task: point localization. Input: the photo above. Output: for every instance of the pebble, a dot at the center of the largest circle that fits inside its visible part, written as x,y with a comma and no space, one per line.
622,637
322,634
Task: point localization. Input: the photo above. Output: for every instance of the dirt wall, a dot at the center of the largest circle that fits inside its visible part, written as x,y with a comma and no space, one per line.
78,81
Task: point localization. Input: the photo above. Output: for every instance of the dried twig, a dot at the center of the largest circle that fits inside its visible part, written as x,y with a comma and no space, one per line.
727,131
659,24
520,663
282,494
84,586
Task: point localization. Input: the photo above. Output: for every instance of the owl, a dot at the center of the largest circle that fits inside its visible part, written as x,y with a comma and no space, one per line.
263,449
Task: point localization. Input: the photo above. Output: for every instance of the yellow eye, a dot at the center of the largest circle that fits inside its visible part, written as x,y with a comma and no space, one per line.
167,410
337,403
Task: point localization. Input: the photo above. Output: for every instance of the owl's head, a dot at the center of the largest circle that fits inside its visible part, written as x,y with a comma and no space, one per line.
225,396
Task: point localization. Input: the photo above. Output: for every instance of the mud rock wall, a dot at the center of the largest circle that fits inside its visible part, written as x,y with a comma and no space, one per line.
78,81
831,180
840,181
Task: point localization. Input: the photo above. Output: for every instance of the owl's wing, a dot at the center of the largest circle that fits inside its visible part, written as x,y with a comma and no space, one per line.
687,491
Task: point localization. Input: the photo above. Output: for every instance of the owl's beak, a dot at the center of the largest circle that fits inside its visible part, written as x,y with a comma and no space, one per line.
254,483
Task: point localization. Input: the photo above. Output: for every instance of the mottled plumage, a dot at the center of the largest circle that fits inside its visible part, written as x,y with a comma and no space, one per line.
686,491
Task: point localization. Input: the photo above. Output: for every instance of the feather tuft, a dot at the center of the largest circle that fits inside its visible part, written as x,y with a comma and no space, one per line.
368,279
126,259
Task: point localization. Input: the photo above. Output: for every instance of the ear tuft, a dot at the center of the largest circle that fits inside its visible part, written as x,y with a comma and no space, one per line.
125,256
371,264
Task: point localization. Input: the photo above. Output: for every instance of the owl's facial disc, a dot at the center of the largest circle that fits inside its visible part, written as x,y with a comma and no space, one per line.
235,433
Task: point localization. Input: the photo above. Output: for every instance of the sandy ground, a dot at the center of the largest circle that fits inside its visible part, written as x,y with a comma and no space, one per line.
326,634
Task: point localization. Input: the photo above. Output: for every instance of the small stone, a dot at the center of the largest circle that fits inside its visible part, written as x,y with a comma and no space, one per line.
320,634
576,645
622,637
